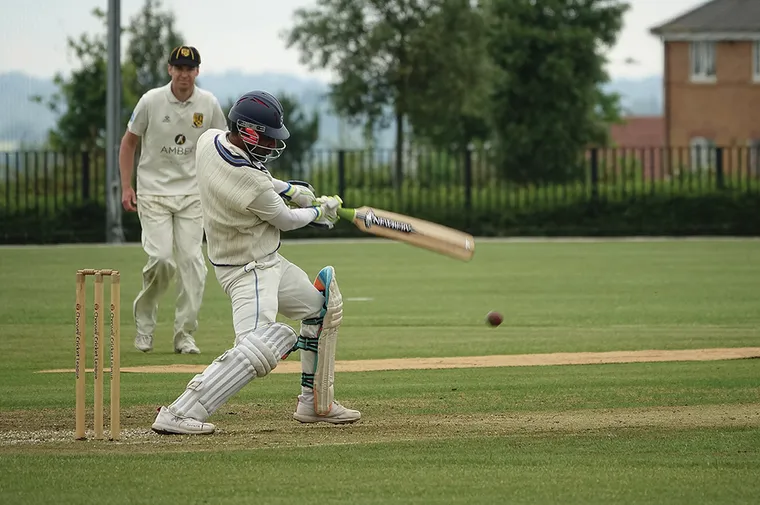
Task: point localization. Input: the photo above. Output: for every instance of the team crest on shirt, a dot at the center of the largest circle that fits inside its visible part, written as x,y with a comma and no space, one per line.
197,120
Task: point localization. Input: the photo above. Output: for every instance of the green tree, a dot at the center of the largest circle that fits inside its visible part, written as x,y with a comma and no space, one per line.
367,44
152,37
547,102
304,132
80,101
451,77
81,98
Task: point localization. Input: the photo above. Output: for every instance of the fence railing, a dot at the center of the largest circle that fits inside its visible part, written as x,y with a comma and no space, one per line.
40,184
44,182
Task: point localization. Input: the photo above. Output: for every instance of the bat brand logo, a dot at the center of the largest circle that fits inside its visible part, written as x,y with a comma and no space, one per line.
370,219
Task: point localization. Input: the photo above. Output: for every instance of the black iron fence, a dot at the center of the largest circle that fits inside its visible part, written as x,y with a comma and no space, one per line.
44,182
43,192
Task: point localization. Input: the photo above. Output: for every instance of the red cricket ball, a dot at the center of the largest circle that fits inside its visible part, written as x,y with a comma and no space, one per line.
494,319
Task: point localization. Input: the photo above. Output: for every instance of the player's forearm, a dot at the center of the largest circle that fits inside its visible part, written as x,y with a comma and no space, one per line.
293,219
280,186
126,163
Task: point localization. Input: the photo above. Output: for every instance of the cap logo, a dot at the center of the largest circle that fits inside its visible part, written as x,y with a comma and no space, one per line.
185,52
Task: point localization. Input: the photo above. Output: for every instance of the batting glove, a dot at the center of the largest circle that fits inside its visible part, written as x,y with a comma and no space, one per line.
327,211
299,194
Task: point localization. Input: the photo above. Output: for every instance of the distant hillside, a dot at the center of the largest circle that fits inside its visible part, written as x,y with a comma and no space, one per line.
310,93
639,96
24,122
230,85
21,120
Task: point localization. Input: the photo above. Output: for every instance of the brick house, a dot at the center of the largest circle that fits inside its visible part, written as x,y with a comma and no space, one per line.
639,131
637,141
712,82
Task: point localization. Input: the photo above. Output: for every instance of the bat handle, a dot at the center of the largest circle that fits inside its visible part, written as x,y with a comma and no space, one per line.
347,214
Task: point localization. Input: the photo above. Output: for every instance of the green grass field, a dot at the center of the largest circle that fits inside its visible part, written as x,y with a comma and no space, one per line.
666,432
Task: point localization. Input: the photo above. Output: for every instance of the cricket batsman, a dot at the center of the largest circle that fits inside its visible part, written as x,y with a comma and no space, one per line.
245,210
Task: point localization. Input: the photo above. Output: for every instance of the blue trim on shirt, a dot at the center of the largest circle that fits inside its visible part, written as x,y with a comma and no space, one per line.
236,160
282,193
233,159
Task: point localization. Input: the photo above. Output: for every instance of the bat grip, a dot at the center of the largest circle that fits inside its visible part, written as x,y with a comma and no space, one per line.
347,214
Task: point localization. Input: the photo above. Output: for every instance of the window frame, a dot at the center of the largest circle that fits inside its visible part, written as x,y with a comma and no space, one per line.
702,155
702,61
753,156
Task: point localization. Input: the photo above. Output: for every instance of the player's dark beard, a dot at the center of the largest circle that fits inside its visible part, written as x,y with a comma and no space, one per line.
264,146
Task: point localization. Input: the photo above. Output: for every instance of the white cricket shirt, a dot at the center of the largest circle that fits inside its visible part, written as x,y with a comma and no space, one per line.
229,183
170,130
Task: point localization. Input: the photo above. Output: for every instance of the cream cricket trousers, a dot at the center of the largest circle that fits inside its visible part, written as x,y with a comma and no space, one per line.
172,237
262,289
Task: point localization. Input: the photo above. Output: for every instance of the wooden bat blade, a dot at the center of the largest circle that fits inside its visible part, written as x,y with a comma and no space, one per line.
417,232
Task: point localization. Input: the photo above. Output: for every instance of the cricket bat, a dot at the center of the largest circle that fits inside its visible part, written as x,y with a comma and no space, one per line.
417,232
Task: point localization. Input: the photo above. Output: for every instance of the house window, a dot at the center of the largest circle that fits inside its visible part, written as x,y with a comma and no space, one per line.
703,61
702,154
756,61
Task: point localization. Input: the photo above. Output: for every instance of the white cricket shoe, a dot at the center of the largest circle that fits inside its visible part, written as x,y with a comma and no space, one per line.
338,413
185,344
167,423
144,343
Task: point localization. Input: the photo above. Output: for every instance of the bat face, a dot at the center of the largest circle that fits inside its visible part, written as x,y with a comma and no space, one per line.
414,231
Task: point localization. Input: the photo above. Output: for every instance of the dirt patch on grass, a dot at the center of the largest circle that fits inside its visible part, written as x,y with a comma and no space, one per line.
559,358
252,428
266,425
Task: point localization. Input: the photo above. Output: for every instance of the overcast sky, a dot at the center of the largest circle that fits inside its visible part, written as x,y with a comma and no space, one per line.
33,34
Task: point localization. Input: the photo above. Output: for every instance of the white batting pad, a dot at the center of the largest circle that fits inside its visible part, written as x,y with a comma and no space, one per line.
324,373
255,355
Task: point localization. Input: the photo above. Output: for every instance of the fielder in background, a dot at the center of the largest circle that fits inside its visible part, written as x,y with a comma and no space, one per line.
169,120
245,210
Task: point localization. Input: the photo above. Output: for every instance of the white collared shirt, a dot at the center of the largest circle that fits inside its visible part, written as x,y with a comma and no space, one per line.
170,130
242,211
